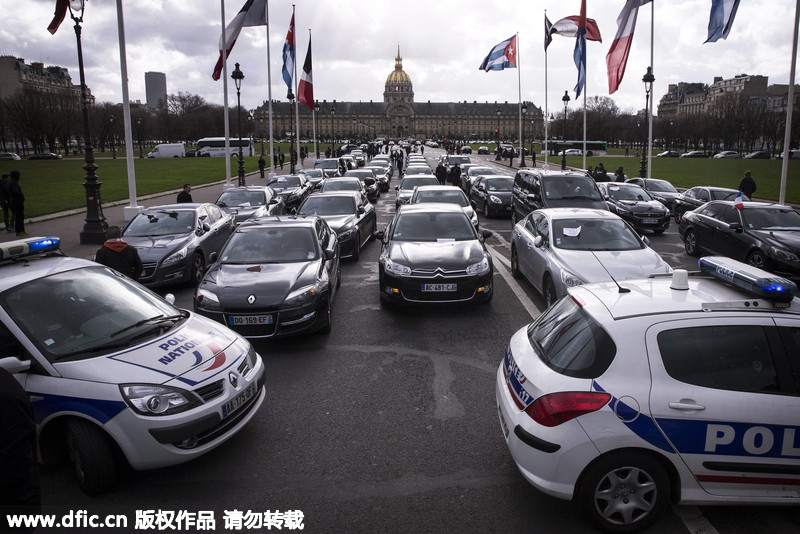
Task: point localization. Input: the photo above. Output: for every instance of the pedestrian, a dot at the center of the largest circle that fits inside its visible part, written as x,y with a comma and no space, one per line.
441,173
119,255
261,165
20,488
280,157
16,201
747,186
185,195
626,151
5,192
590,171
510,157
600,174
455,175
422,150
327,153
400,163
303,155
619,175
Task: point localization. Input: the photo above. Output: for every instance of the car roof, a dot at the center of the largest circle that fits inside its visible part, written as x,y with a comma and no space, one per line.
754,204
326,194
279,220
439,188
184,206
431,207
572,213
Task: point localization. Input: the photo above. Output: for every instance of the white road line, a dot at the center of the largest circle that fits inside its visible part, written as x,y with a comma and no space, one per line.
695,521
502,265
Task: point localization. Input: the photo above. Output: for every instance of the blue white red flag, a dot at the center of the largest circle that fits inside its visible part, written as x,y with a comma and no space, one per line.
720,21
568,27
579,54
737,202
502,56
305,91
617,56
253,13
288,56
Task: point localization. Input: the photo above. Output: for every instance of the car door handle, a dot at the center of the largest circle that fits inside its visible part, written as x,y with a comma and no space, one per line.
686,404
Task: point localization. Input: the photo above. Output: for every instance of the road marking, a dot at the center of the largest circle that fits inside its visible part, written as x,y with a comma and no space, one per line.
694,520
502,265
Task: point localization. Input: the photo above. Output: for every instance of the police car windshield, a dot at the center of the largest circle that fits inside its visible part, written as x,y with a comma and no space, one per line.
774,220
71,315
594,234
156,223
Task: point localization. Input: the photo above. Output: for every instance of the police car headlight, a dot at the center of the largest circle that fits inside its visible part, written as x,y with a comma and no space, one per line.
785,255
301,296
176,256
478,268
569,279
495,200
151,399
396,269
207,299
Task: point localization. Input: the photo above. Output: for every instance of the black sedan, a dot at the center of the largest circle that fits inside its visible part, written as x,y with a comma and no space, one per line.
293,188
661,190
352,220
765,235
175,241
275,277
636,206
369,180
758,154
251,201
695,197
491,195
431,253
45,155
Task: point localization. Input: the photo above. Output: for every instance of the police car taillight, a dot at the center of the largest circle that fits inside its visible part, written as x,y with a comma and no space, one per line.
755,281
28,247
557,408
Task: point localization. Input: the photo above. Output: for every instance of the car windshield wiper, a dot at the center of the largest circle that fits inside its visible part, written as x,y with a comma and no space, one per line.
158,319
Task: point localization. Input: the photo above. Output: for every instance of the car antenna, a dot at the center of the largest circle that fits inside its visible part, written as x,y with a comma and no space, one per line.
621,289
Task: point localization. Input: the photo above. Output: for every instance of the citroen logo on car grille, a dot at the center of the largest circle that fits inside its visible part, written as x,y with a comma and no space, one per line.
233,379
251,299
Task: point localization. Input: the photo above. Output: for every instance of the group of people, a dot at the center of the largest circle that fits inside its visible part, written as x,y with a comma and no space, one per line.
600,174
12,201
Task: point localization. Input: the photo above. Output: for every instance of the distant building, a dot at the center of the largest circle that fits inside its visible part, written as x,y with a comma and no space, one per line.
155,85
16,74
696,98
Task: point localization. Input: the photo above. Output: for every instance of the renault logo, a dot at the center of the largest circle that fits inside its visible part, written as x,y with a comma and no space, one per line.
233,379
251,299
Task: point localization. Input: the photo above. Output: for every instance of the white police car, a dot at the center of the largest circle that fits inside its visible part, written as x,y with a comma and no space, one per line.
625,396
110,367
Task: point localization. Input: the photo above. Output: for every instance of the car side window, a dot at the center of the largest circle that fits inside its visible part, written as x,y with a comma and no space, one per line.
542,228
714,210
690,193
9,346
702,194
214,213
530,224
728,357
729,215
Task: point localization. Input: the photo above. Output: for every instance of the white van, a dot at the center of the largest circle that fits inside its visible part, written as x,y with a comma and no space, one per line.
168,150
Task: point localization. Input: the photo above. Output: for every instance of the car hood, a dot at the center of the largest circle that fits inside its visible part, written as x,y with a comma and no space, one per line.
155,248
620,264
448,255
287,191
270,283
505,196
339,222
785,239
663,194
195,352
576,203
641,205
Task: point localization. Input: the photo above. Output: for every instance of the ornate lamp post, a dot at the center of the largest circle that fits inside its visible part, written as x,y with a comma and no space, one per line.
316,140
290,97
533,136
333,132
111,131
238,76
648,80
566,100
139,134
522,144
94,227
498,156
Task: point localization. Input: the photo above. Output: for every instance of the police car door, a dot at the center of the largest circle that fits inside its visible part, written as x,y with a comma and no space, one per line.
724,397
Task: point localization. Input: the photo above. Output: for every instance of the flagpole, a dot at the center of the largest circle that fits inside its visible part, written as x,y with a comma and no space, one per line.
296,100
519,103
787,136
652,97
313,109
269,97
546,118
225,96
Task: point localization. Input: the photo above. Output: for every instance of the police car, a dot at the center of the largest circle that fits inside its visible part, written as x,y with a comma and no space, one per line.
625,396
112,368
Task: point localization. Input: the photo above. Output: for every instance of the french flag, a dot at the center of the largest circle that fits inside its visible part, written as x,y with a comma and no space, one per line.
737,202
617,56
305,91
253,13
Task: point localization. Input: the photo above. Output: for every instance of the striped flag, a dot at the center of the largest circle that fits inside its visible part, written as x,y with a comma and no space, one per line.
288,56
617,56
579,54
720,21
253,13
502,56
568,27
548,32
737,202
305,91
58,16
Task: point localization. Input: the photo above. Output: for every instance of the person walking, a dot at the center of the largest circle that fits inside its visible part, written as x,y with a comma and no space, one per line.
5,192
280,158
185,195
619,175
261,165
303,156
441,173
16,201
747,186
119,255
455,175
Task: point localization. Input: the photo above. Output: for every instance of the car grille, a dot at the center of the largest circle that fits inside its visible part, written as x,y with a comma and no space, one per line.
437,272
463,293
148,269
212,390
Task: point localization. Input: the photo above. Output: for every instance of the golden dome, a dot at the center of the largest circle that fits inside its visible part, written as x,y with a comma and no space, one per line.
398,75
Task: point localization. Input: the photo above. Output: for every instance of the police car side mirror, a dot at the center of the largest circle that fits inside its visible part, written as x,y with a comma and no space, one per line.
538,241
736,227
14,365
645,240
169,297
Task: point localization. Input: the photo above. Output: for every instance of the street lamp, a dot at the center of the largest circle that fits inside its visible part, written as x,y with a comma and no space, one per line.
522,144
497,135
292,156
669,144
648,80
111,131
94,227
533,137
238,76
566,100
139,134
333,132
316,139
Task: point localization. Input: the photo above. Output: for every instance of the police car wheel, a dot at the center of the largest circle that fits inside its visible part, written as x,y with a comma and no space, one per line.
624,492
91,456
690,243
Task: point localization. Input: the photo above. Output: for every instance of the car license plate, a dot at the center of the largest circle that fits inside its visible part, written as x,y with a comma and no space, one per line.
238,401
503,422
439,287
239,320
649,221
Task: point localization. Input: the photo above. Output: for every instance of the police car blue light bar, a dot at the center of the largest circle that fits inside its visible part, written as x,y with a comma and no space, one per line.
28,247
753,280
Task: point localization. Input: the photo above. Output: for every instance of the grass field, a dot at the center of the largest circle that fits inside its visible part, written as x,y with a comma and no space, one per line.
53,186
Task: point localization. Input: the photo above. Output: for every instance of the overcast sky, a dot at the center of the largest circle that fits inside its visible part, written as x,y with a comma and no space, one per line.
442,43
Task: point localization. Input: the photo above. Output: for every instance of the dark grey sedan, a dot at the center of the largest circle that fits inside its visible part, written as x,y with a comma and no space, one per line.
246,202
353,220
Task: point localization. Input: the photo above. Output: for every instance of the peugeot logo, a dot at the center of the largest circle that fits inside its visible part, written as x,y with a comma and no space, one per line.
251,299
233,379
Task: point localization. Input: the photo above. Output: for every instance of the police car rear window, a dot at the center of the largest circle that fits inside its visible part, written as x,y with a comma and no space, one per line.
570,342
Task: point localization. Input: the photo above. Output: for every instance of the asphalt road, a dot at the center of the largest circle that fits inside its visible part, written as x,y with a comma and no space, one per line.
388,424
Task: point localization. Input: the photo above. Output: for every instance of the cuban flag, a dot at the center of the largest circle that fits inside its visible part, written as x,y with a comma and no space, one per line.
502,56
721,19
579,54
288,56
617,56
737,202
253,13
